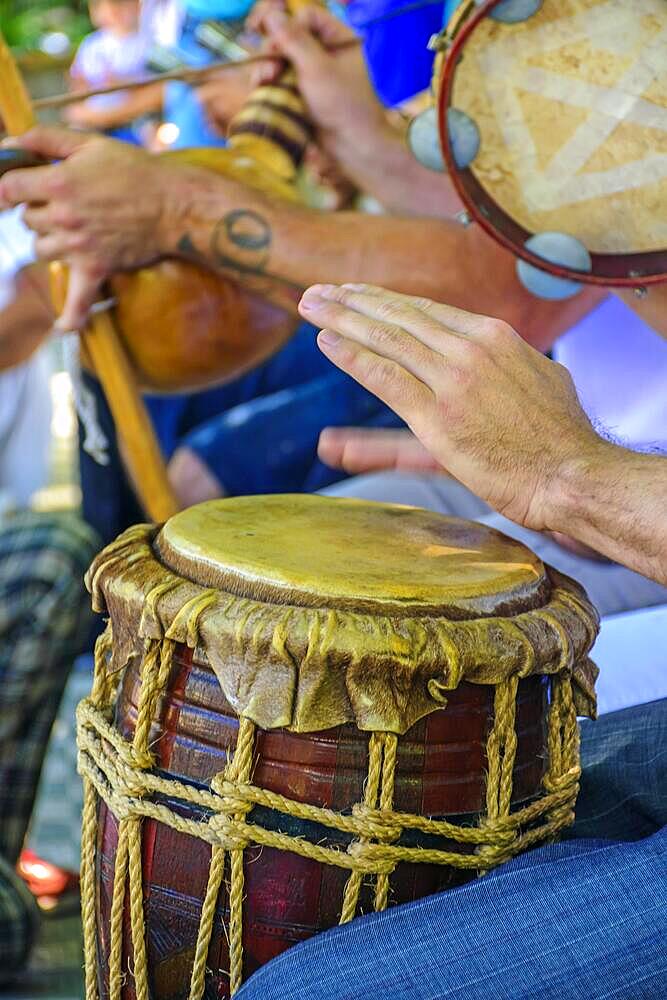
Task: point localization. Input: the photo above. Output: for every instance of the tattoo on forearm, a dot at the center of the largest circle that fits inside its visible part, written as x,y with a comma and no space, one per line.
242,239
241,243
186,247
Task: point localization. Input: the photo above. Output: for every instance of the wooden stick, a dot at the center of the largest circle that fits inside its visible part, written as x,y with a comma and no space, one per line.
139,445
185,75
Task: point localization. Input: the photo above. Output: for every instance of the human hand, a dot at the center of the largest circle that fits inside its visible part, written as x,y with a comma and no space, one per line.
335,85
374,449
224,94
191,479
98,210
497,415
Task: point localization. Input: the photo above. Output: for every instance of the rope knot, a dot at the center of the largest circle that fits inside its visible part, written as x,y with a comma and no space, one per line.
491,855
500,832
233,798
377,824
122,807
129,783
228,832
141,759
567,782
375,859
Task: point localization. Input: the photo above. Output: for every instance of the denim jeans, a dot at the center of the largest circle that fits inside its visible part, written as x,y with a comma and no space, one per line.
259,433
584,919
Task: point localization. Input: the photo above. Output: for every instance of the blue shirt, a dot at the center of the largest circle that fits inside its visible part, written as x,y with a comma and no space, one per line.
395,47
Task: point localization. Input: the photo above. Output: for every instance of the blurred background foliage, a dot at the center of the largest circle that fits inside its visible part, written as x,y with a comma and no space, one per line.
40,26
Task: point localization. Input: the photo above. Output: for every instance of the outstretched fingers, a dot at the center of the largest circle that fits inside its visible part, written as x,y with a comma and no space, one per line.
385,378
457,321
374,329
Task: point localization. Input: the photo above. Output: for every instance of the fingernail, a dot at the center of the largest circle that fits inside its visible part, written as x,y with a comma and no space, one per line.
328,337
309,301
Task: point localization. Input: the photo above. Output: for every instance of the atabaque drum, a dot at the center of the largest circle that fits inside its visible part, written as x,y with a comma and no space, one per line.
553,118
307,708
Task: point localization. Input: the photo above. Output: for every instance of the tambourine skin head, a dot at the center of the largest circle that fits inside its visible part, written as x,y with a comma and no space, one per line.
570,105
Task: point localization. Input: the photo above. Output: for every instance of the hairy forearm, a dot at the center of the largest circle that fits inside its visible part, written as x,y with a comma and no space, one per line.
277,249
615,501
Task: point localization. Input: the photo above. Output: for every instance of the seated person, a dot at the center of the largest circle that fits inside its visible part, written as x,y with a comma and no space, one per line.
115,52
44,621
447,260
507,423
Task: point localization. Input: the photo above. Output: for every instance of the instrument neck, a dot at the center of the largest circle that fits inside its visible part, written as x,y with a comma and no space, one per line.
273,128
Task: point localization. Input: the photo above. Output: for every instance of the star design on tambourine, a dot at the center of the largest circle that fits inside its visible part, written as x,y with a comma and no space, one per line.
571,107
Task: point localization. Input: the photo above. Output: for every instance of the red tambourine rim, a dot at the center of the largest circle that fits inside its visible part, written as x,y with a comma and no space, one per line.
618,270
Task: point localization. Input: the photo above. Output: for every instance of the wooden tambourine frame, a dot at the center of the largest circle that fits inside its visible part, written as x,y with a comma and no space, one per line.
608,269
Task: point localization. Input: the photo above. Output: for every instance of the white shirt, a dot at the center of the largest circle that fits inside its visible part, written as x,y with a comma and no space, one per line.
25,401
161,21
17,248
103,59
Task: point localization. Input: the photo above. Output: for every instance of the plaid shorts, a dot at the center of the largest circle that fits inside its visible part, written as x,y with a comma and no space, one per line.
44,623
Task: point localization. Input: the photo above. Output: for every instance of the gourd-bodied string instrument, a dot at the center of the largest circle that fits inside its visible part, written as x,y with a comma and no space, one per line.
553,125
176,326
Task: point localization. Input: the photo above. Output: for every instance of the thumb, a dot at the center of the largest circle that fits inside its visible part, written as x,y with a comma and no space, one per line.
82,290
294,41
52,141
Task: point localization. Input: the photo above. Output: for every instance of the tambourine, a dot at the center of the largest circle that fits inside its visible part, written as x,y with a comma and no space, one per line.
552,117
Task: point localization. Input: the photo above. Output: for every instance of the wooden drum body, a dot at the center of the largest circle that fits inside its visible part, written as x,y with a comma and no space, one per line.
324,707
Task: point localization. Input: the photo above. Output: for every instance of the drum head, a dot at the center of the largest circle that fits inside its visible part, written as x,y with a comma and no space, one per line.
569,101
316,551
